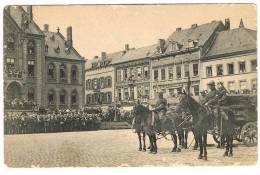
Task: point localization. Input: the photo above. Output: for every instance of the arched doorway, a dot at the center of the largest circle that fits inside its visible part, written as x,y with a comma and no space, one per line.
14,91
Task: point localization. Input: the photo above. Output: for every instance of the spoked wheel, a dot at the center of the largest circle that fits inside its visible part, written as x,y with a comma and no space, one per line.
249,134
237,135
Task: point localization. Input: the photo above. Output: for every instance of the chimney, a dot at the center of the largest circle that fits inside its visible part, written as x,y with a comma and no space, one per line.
193,26
30,13
46,27
69,37
103,55
126,47
227,24
178,29
161,43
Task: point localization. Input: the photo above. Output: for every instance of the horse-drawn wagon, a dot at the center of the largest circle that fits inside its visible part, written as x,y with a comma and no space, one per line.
244,110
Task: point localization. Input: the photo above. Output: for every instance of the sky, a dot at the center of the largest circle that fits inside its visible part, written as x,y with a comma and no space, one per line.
107,28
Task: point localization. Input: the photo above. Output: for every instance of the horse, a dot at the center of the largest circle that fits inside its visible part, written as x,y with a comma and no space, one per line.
201,124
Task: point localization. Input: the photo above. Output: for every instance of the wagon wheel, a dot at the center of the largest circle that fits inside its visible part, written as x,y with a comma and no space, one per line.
237,135
249,134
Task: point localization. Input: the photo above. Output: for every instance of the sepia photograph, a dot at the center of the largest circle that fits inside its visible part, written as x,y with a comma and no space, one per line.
129,85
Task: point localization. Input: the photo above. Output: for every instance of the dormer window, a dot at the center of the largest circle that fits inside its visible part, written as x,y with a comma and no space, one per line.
57,50
191,44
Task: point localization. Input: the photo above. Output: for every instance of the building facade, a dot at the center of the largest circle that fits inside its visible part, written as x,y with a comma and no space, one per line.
232,60
178,59
40,66
24,57
100,80
132,74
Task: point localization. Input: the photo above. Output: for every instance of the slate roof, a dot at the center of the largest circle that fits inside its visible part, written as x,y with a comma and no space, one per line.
16,13
135,54
231,41
201,34
55,40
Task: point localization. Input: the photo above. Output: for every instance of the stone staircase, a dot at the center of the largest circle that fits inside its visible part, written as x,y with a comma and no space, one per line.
114,125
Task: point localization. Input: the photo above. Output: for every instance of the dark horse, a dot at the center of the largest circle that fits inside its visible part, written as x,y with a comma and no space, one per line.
201,124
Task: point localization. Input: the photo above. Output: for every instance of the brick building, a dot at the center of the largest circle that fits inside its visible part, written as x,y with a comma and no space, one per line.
40,66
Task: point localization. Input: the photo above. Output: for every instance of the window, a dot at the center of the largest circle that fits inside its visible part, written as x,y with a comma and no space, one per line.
139,91
95,83
242,84
171,92
132,73
253,65
63,72
102,82
179,89
30,68
146,72
139,72
51,97
30,94
230,68
170,73
119,94
46,48
74,72
31,47
10,63
132,93
109,97
208,71
178,72
195,69
62,97
155,75
126,94
219,69
89,84
51,71
242,67
74,97
254,84
109,82
10,42
146,91
118,75
125,74
231,86
196,90
88,99
186,70
162,74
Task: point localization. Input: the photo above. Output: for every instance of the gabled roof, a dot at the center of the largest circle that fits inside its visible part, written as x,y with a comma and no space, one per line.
136,54
232,41
110,56
55,40
17,13
200,33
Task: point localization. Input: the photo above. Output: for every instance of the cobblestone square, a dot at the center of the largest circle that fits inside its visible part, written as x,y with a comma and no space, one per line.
109,148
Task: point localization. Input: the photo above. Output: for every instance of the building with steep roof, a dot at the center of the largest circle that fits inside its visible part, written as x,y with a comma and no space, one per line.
40,66
178,59
232,60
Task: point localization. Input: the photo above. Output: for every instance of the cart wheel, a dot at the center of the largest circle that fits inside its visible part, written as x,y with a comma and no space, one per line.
249,134
237,135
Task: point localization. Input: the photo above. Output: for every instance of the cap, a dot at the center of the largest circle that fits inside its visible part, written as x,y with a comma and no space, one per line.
211,83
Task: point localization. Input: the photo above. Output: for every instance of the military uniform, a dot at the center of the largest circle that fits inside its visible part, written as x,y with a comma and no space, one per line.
159,112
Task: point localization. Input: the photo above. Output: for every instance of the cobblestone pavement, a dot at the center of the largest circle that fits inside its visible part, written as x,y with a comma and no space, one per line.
108,148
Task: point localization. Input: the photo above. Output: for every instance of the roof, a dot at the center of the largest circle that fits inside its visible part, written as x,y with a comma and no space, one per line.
55,40
231,41
135,54
17,13
110,56
200,33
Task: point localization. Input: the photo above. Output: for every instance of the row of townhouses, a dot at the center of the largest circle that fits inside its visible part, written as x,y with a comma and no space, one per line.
40,66
210,51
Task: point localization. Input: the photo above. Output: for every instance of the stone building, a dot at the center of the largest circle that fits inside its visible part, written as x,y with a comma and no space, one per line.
132,74
40,66
24,57
99,77
178,58
64,69
232,60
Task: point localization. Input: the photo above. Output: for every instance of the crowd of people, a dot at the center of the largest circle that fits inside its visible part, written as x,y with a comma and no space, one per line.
60,121
19,104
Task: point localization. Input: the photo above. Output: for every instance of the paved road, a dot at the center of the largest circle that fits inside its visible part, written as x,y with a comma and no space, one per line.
107,149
